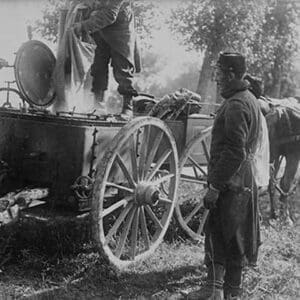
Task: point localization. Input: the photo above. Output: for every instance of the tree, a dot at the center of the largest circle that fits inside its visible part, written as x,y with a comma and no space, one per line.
278,44
146,15
145,12
214,25
48,25
245,26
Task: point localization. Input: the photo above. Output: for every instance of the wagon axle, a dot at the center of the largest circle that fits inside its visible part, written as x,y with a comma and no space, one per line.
146,194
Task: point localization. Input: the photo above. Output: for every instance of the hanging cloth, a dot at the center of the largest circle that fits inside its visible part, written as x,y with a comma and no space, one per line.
261,167
72,79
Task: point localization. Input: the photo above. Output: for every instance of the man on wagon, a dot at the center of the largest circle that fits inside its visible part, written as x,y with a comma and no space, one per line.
232,228
111,24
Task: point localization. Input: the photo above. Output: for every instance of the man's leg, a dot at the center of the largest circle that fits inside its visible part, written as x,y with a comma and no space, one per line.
100,71
123,71
233,273
215,260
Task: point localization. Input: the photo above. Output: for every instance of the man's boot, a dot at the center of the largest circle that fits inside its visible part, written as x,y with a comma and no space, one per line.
232,283
100,102
127,109
213,287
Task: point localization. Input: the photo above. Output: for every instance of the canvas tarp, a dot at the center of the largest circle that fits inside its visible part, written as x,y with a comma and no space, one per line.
72,77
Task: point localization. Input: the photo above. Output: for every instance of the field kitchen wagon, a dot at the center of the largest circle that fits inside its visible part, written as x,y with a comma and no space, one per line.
130,177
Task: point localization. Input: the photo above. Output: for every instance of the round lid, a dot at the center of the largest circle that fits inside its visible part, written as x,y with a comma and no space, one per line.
34,66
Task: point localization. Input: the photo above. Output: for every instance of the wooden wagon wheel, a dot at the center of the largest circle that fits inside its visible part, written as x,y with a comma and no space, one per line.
189,209
130,210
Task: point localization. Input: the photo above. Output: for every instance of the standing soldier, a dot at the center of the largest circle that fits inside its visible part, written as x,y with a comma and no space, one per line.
111,24
232,228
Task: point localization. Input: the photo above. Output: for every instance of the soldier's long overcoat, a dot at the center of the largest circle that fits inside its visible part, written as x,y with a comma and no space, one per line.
234,139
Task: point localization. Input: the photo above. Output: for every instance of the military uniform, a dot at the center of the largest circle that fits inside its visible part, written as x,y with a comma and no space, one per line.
232,231
232,227
234,140
111,24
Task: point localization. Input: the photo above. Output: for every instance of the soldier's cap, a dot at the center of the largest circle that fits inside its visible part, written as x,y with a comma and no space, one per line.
232,61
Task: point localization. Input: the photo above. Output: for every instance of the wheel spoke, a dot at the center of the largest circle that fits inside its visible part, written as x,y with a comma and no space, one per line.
143,151
205,150
125,233
202,223
134,233
162,159
165,200
191,179
195,172
192,214
153,217
138,179
115,206
193,183
133,156
144,228
118,222
197,165
162,179
125,170
153,151
120,187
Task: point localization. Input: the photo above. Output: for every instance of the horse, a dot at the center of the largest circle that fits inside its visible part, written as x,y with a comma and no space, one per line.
283,121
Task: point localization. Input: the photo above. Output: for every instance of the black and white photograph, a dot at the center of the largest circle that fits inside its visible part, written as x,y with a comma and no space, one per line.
149,149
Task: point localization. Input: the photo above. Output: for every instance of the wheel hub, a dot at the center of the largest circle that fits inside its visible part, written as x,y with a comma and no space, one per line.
146,194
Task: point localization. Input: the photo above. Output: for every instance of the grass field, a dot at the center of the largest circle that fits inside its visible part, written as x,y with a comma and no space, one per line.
173,270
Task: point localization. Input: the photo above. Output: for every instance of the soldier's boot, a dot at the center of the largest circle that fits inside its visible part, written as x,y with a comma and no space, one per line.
232,283
213,286
127,108
100,102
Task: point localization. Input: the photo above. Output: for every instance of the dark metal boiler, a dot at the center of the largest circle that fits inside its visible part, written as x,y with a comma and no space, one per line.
52,151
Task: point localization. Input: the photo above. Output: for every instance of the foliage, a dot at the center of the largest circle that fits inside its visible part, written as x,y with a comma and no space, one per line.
276,43
218,24
265,31
47,27
213,26
146,19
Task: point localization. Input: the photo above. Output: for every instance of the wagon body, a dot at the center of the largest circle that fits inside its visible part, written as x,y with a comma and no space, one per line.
132,171
53,151
126,174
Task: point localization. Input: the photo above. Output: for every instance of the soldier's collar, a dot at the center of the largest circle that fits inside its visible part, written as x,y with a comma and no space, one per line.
233,87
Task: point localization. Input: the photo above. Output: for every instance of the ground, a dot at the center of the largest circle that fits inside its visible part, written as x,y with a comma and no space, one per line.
172,271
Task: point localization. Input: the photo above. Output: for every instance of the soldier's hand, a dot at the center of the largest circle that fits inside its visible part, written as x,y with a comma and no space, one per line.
77,28
211,197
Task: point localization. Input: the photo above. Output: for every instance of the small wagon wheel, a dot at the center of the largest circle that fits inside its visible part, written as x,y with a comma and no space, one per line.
130,210
189,209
